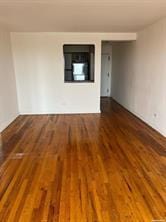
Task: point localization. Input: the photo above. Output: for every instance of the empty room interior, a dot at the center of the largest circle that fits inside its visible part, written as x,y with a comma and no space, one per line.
83,111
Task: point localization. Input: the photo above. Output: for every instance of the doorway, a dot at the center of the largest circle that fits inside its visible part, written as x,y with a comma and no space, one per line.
106,70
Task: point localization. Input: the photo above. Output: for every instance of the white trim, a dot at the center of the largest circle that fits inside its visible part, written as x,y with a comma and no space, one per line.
148,122
6,123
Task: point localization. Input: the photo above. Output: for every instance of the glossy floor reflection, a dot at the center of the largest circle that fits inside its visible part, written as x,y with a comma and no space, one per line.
107,167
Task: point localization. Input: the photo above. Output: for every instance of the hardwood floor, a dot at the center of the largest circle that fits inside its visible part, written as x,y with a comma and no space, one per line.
107,167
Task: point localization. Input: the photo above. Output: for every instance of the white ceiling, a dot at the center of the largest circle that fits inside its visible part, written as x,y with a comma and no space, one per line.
80,15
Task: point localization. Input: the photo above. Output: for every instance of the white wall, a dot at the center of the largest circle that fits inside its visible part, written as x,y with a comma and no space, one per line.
8,95
39,68
139,75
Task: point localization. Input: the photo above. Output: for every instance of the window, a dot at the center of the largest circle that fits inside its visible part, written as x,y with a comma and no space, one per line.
79,63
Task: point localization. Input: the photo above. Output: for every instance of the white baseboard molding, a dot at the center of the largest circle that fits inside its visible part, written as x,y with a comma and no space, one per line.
148,122
59,113
6,123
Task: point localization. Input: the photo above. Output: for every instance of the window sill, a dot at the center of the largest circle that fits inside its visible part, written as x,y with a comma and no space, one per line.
80,81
